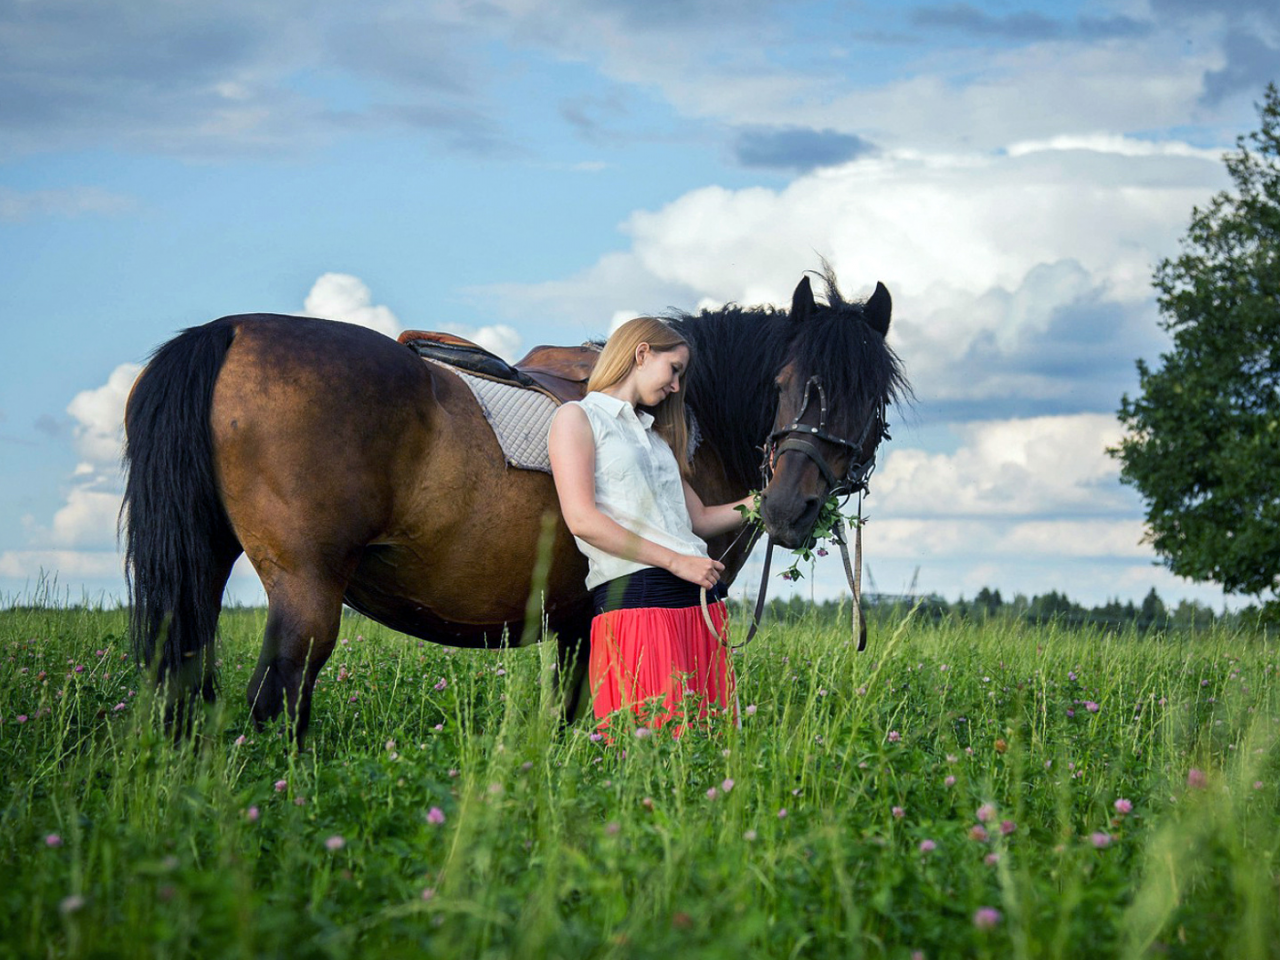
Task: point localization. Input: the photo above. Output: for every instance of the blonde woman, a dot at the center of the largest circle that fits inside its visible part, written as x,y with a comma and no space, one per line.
619,458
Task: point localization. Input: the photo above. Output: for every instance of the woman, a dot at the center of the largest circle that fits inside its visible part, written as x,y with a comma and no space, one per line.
620,458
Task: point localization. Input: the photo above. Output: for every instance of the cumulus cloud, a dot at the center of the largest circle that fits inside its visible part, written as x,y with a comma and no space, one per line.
88,519
1037,467
86,564
341,296
967,223
80,539
620,317
1020,504
1021,281
99,417
987,542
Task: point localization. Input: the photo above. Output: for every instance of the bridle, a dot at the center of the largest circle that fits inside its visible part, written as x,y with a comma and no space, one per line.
799,438
856,474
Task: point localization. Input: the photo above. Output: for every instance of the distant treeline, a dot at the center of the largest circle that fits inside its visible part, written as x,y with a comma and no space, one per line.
1053,607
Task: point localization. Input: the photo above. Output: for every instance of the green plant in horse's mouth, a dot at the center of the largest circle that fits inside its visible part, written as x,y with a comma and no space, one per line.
825,528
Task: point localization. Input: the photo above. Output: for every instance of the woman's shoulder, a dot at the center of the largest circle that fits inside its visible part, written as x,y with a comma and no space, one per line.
570,410
572,417
589,407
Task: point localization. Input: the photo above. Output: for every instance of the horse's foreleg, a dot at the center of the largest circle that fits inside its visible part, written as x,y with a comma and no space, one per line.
302,627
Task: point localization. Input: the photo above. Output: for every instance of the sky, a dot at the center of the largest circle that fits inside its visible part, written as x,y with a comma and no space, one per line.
530,171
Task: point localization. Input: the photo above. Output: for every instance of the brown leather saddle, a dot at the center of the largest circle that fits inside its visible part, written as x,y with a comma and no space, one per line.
559,372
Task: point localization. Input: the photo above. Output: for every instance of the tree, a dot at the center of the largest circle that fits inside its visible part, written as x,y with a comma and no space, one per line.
1153,612
1203,436
988,602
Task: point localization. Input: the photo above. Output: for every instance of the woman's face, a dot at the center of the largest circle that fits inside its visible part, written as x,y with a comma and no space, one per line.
658,374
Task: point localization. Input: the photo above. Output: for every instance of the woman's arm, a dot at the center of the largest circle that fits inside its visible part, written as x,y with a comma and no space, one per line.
573,465
713,521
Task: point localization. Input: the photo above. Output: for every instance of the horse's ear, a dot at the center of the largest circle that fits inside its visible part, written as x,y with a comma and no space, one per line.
802,301
877,310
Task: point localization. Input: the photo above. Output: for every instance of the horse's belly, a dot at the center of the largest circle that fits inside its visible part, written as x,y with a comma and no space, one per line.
470,599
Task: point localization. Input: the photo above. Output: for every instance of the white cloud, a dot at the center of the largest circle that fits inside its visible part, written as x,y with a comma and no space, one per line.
89,564
983,251
80,539
1025,505
497,338
1114,143
619,318
88,519
341,296
99,416
992,541
920,224
1035,467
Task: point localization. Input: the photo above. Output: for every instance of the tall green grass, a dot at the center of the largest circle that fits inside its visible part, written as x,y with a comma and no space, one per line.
840,820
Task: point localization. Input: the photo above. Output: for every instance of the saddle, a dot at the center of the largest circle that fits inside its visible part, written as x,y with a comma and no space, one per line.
559,372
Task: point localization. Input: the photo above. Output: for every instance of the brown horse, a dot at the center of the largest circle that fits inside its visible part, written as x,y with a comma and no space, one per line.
350,470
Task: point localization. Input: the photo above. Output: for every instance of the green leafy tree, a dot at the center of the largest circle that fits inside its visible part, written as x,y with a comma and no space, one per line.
988,602
1203,436
1153,612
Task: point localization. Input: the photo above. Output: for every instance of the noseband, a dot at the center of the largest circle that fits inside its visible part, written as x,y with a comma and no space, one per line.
858,471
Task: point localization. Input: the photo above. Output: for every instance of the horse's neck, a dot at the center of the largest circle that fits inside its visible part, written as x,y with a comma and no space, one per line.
713,486
731,384
710,480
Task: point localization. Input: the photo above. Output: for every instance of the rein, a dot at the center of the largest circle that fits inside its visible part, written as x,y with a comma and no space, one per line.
855,480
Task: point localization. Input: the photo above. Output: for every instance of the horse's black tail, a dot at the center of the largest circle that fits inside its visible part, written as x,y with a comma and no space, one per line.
179,544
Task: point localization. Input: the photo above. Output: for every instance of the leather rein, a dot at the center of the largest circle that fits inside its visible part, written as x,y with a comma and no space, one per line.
799,439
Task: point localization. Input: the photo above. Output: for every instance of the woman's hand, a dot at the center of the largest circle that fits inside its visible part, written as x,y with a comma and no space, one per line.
703,571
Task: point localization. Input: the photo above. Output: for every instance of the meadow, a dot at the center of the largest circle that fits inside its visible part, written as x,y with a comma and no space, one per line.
964,789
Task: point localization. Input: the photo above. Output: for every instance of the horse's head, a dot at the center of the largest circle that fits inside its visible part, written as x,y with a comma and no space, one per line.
838,377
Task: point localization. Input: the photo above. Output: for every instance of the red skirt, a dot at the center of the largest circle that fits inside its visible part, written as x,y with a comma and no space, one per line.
662,664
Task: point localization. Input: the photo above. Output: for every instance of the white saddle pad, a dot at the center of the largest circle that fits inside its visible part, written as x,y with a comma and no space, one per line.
520,419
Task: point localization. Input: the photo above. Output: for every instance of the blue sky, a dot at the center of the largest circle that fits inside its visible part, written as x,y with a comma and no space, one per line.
526,171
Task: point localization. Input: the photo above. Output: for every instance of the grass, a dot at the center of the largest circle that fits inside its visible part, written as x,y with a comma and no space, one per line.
840,820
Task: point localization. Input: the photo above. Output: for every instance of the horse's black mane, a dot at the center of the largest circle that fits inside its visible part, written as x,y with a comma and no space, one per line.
739,350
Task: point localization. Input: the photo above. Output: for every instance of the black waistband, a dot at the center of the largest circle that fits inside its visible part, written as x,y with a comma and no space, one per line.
651,587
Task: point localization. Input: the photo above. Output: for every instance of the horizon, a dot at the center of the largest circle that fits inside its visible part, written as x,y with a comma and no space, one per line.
525,173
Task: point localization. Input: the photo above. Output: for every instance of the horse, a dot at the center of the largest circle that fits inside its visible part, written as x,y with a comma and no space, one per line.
349,470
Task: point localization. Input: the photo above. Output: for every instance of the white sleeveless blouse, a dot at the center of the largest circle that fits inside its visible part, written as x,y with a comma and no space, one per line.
638,486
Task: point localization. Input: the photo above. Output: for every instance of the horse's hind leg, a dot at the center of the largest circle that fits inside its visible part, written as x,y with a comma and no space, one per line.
303,613
196,675
572,658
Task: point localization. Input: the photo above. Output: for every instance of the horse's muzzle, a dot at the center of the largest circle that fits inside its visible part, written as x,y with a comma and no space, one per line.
789,519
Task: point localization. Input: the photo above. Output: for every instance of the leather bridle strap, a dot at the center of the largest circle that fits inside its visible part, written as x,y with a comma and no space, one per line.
802,445
857,625
723,635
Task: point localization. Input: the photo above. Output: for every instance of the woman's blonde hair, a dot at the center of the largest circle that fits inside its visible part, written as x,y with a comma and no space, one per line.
618,359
